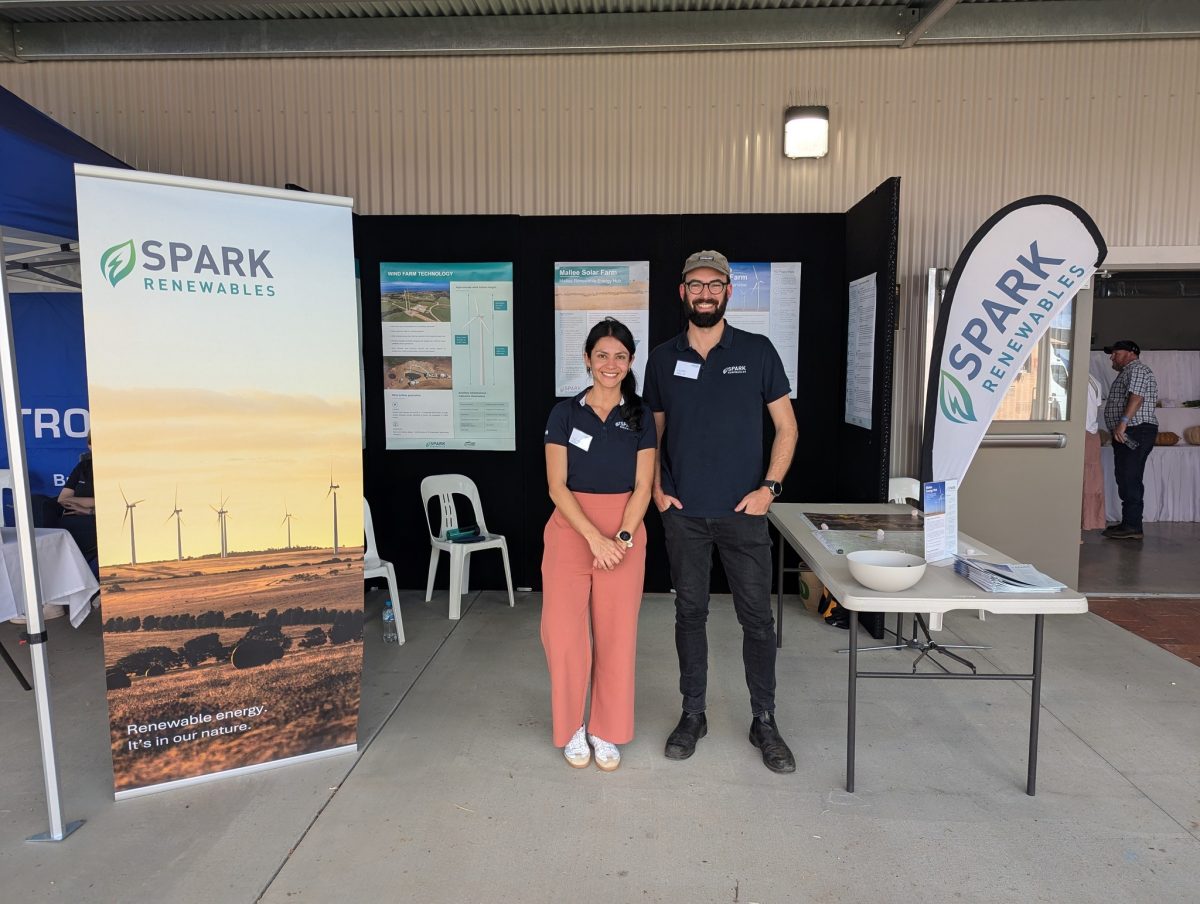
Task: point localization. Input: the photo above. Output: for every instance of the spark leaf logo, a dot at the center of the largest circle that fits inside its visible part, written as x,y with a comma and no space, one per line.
117,262
955,401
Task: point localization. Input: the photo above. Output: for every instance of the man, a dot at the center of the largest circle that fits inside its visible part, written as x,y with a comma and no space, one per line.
707,388
78,501
1129,416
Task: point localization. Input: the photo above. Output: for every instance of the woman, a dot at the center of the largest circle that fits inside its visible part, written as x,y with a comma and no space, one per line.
599,466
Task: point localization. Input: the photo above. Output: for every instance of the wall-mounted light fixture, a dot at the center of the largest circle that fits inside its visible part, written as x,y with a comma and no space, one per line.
806,131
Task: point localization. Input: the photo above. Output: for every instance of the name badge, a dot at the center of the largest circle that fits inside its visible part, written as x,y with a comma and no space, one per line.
580,439
689,369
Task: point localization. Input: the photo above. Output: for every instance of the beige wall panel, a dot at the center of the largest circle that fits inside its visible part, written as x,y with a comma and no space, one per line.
1112,125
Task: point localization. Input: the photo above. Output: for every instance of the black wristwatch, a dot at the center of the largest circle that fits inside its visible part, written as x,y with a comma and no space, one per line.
774,486
626,537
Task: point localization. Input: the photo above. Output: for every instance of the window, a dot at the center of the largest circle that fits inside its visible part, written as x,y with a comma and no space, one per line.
1042,390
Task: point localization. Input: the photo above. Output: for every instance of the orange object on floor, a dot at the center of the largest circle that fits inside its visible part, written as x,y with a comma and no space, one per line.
589,623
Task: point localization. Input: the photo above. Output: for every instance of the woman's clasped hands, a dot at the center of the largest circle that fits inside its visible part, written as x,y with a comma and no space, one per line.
607,552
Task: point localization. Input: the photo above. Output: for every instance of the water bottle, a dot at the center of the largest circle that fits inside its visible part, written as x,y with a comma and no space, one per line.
389,624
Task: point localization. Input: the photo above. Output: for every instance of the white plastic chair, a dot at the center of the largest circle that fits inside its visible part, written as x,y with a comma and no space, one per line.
902,489
375,567
444,486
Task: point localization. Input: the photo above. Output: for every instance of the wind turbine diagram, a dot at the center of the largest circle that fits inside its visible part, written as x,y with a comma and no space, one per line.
129,507
222,514
482,351
177,514
333,488
287,519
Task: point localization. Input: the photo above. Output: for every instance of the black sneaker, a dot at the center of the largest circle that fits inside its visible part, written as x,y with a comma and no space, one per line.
776,755
1111,529
682,742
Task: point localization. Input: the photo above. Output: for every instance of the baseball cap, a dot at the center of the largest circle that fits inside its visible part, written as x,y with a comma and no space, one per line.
714,260
1122,345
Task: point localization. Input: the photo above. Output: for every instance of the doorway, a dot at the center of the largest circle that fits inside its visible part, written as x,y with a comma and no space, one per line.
1153,297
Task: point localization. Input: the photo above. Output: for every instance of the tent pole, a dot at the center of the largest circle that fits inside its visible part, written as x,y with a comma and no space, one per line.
23,517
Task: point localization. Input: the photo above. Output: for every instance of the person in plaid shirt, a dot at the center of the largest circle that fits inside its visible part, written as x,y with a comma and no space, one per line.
1129,416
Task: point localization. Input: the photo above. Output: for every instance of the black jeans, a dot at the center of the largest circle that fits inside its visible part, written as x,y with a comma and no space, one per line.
745,549
1129,466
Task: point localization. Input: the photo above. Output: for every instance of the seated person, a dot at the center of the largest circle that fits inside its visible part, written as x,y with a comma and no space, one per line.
78,502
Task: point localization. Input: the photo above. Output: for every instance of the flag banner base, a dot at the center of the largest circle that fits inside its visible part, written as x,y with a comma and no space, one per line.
67,830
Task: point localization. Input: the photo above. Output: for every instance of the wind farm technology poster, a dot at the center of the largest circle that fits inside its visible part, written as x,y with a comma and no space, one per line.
448,355
585,292
766,300
223,377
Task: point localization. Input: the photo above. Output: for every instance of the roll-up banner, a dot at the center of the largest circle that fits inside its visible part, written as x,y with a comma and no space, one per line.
223,379
1020,269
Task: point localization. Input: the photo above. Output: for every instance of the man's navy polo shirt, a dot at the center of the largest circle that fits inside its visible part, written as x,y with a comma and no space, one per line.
713,452
609,463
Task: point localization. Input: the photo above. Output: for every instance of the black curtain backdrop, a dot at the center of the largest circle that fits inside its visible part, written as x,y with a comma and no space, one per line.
512,485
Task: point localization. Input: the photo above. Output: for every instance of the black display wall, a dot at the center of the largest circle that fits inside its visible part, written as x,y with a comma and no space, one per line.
833,461
871,240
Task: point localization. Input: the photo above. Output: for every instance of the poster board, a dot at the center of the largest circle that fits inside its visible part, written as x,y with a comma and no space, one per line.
448,373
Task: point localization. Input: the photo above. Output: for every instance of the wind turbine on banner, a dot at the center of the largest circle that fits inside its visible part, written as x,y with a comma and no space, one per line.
129,507
480,321
756,289
287,519
177,513
222,512
333,488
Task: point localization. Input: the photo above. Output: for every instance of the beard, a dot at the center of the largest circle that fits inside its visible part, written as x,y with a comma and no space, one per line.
706,319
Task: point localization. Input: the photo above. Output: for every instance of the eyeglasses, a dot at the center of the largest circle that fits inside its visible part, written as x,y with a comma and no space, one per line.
716,287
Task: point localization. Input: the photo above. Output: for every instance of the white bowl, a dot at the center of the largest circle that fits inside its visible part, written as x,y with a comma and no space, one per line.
885,570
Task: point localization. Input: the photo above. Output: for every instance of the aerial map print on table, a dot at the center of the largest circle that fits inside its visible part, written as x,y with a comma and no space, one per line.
897,522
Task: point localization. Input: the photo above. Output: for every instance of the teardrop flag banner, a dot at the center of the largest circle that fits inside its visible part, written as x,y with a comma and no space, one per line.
1020,269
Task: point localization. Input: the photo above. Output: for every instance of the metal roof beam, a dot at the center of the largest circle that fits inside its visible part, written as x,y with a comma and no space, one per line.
8,44
1061,20
1066,20
927,20
454,35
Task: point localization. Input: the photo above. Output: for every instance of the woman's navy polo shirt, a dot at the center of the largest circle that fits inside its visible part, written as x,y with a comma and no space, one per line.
609,463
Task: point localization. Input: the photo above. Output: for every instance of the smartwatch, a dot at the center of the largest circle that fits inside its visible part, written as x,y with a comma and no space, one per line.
627,538
774,486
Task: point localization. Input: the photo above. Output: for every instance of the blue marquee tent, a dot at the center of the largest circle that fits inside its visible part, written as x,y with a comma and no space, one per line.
38,219
38,224
37,175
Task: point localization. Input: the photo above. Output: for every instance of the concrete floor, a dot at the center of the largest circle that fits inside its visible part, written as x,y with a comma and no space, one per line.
457,796
1166,562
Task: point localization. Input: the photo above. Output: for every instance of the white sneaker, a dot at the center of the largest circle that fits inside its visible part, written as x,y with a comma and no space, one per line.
608,756
577,752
